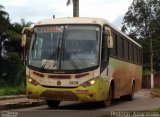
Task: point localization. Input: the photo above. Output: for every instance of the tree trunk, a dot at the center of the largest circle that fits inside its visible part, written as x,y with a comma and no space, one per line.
75,8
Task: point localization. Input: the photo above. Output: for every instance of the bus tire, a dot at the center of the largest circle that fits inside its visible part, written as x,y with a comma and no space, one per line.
130,96
52,103
108,102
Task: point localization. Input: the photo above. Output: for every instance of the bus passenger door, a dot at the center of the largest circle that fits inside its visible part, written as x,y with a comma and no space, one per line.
106,43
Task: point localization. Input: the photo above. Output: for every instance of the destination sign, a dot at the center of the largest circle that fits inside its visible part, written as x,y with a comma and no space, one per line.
49,28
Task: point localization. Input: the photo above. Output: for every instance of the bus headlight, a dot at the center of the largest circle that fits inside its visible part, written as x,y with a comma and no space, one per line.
89,82
33,82
92,82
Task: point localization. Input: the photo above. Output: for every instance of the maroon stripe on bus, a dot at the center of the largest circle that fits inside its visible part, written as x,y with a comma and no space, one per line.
60,76
81,75
38,74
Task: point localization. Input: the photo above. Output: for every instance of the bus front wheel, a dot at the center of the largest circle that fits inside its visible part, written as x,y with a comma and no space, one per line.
108,101
52,103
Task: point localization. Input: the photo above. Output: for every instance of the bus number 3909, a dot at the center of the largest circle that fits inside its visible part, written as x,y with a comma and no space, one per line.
73,82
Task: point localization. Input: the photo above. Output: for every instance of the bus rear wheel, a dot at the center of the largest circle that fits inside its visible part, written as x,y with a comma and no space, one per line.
52,103
130,96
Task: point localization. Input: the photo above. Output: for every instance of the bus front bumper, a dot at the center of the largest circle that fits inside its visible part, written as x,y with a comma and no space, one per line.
87,94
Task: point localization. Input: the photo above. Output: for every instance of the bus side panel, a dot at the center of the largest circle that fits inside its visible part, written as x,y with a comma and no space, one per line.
123,74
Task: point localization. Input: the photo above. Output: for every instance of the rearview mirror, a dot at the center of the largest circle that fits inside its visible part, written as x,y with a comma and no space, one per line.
109,37
24,37
23,44
27,29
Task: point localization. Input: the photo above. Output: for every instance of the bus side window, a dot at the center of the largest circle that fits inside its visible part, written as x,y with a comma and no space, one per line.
126,48
120,48
113,51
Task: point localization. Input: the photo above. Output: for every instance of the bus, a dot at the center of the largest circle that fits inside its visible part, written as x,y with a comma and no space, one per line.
81,59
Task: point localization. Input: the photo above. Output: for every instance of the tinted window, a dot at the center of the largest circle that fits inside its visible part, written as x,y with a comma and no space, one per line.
120,51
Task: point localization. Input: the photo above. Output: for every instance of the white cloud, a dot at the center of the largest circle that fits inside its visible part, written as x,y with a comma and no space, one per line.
33,10
14,3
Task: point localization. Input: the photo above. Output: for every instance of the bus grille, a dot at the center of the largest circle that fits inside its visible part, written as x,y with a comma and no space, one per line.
59,95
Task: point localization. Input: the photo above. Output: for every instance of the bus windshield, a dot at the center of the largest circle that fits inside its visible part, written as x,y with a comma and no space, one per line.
65,47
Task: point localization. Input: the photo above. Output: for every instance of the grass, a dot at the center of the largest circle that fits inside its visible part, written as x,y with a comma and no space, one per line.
157,91
11,90
157,110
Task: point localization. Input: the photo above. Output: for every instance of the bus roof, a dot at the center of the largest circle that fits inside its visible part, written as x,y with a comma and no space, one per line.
81,20
72,20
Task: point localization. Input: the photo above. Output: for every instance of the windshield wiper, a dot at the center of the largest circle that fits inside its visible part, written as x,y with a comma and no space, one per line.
70,60
58,50
60,53
61,49
57,53
65,52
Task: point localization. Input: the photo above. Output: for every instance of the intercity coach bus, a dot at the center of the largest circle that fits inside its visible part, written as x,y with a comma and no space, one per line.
81,59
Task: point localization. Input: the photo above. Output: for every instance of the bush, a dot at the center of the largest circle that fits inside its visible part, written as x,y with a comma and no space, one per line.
12,90
11,74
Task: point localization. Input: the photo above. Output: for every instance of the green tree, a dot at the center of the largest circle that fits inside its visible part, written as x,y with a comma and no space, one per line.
142,20
4,24
13,46
12,72
75,7
10,37
19,26
2,12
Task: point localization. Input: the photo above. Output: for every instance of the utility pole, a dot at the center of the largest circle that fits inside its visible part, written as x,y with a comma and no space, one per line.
151,47
151,43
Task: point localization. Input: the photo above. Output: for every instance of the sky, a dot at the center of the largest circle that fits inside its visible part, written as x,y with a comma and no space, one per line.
34,10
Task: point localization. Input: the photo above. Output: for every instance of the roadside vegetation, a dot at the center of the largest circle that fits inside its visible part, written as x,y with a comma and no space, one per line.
12,81
4,91
141,22
157,91
157,110
12,70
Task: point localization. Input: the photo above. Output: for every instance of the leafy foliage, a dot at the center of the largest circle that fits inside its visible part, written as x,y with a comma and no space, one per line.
10,34
4,24
12,72
142,21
